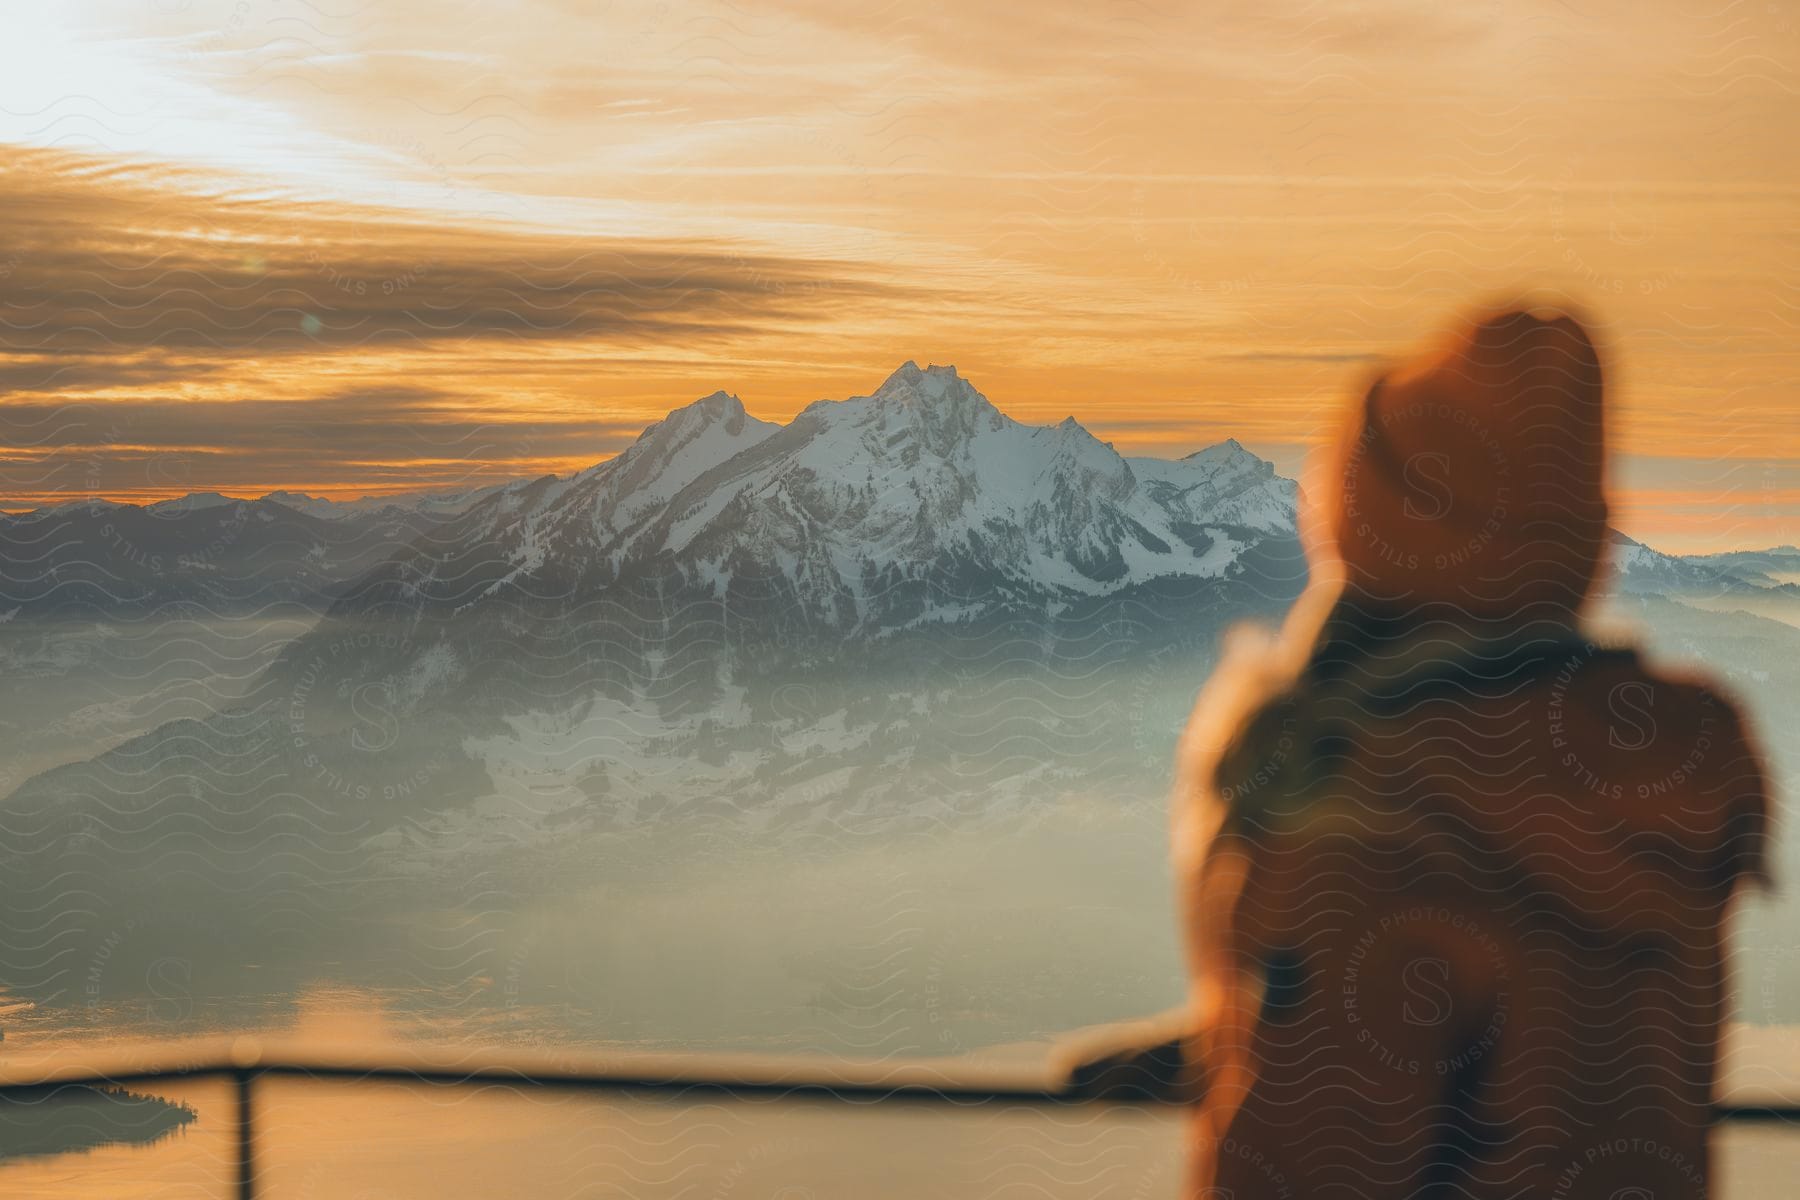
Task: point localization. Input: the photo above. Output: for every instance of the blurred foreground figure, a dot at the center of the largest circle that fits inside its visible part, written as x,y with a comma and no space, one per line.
1456,876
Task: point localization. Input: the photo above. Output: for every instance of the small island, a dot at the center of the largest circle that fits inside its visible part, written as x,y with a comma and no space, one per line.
63,1118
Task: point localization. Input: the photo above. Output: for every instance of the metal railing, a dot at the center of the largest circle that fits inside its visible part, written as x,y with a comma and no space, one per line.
875,1085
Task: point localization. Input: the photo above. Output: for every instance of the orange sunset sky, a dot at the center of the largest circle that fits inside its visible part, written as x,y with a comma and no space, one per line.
353,246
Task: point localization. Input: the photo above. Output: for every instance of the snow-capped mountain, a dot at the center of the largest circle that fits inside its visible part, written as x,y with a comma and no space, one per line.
853,507
926,475
1761,582
1224,483
573,520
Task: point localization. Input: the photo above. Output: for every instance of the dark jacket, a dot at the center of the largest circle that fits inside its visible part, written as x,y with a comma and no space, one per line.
1455,874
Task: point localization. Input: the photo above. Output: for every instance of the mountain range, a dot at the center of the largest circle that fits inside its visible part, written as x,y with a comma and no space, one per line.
896,613
922,479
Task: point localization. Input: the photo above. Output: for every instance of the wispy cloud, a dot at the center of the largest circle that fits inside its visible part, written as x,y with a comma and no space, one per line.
1301,356
123,262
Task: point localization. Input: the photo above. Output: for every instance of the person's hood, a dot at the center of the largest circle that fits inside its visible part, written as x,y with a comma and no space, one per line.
1470,481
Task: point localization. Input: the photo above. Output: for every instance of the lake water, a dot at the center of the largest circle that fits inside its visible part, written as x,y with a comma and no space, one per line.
383,1141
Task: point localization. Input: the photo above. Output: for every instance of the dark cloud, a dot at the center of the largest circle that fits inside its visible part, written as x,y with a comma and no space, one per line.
77,372
378,438
134,262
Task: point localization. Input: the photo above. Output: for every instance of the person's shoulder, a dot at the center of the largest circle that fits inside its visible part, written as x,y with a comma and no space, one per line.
1663,727
1609,675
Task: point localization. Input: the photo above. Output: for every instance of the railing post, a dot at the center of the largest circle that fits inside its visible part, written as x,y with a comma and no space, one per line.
246,1134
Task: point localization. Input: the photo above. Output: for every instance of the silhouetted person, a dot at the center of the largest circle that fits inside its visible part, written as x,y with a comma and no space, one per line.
1455,876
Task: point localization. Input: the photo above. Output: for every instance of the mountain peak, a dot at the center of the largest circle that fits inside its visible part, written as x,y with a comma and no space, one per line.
669,455
928,383
192,502
1228,449
720,405
936,404
690,420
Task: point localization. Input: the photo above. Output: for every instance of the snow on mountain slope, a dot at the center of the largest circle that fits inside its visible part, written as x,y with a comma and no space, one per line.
918,503
1222,483
581,517
926,474
1636,567
556,532
669,456
921,497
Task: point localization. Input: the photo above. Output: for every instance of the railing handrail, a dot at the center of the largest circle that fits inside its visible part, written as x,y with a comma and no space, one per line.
868,1090
244,1071
573,1066
865,1090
